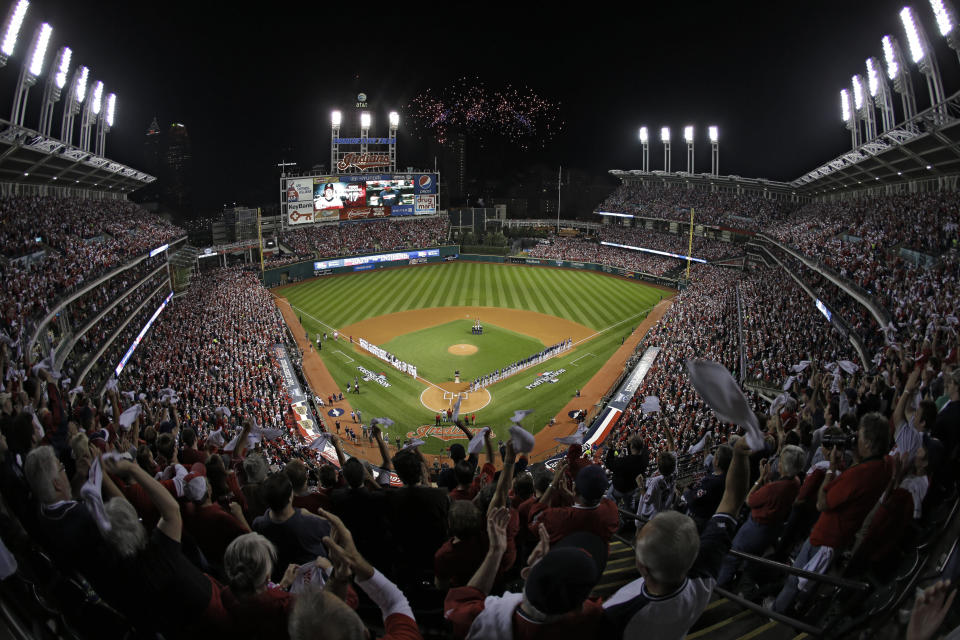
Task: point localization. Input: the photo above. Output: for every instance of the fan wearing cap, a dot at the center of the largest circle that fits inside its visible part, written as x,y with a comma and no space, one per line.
678,569
210,524
589,512
554,603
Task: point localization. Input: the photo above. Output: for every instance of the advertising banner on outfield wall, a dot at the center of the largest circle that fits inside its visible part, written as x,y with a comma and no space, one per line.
426,204
300,190
364,213
300,212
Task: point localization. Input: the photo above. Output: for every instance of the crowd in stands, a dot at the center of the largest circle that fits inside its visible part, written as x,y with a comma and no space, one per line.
584,249
206,520
738,211
351,238
52,245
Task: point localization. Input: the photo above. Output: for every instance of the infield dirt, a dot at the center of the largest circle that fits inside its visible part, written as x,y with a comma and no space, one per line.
549,329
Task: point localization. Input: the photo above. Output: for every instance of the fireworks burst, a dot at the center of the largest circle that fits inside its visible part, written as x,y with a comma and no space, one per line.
468,106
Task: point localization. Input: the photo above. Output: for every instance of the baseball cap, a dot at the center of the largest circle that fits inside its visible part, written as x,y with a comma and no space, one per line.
457,452
196,488
564,578
591,482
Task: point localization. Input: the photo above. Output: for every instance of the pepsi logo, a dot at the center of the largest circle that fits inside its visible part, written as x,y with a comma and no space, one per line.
361,97
425,181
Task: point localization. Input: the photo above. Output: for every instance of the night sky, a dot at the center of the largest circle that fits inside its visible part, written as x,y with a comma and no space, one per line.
254,87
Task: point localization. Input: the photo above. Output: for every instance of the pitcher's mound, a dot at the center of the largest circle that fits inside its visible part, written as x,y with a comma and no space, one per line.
462,349
443,396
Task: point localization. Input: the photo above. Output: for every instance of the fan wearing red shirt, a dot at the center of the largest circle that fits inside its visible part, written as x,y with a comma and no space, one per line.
303,498
770,504
189,453
256,607
211,526
843,502
318,612
466,488
590,511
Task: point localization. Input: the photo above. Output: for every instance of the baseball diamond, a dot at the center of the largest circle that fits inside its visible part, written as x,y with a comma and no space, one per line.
425,315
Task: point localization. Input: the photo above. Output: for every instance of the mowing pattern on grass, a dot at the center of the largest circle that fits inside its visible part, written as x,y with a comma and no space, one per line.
591,299
594,301
496,348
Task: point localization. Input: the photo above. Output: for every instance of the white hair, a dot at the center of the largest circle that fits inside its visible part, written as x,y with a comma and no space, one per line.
41,468
792,459
126,534
248,561
668,546
255,468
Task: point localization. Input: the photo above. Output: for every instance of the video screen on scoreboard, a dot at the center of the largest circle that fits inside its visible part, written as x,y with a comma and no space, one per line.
389,193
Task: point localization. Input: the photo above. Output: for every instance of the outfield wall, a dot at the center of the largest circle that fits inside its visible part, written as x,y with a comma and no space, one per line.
303,270
567,264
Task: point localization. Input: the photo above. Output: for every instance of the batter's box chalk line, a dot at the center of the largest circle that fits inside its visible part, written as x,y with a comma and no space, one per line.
346,357
448,395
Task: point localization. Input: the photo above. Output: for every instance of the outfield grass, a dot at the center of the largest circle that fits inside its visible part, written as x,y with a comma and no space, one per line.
427,348
611,306
589,298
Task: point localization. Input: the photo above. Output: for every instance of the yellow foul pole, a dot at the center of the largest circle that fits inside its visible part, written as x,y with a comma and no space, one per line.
260,241
690,247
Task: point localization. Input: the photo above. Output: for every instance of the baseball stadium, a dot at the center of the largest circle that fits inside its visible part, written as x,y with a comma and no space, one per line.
426,379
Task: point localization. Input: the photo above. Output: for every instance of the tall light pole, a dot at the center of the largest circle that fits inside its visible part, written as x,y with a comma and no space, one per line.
104,124
52,88
31,70
11,30
90,115
665,139
335,119
881,92
864,106
645,144
923,56
75,97
848,117
947,23
364,131
899,75
688,137
394,119
714,135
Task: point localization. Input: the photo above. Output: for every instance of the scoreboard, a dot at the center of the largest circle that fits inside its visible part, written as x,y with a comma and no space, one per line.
346,197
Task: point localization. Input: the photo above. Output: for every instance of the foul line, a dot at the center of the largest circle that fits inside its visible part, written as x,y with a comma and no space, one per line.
586,355
348,358
314,318
591,337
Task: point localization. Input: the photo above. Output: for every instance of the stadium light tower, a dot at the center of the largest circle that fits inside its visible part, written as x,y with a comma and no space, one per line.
714,135
665,139
864,105
688,138
881,92
947,23
335,119
52,88
31,70
90,115
78,91
849,118
364,130
392,146
923,55
105,123
11,30
899,75
645,144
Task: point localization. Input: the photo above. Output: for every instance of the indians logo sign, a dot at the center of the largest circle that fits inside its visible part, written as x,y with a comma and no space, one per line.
444,433
363,161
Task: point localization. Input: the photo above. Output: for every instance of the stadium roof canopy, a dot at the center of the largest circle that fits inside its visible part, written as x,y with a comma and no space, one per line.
925,147
27,157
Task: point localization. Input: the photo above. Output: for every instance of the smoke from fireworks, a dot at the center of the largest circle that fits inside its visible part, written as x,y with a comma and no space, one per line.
469,107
